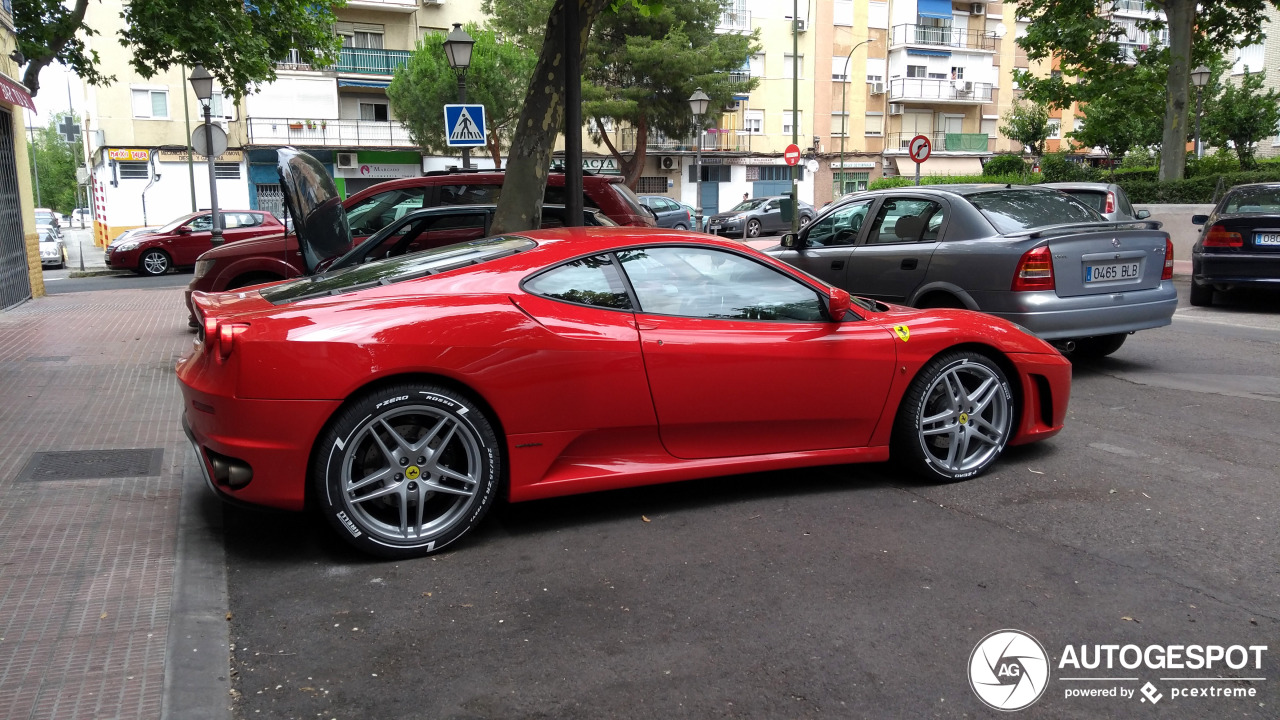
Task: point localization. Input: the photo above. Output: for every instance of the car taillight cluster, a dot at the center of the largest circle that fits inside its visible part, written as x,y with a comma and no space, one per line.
1219,236
1034,271
1111,203
1167,274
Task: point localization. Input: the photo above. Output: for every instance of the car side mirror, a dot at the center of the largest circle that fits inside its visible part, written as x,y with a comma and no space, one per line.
1199,219
183,230
838,303
1143,214
789,241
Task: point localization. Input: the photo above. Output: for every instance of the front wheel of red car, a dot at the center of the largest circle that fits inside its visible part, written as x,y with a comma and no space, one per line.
404,471
955,418
154,262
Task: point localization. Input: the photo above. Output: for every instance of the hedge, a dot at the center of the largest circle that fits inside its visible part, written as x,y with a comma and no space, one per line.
1192,191
905,181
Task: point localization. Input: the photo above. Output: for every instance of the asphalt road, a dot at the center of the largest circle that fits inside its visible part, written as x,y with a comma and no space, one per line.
57,282
839,592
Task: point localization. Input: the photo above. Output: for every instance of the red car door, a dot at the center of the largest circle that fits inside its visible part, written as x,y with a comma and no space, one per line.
186,247
742,360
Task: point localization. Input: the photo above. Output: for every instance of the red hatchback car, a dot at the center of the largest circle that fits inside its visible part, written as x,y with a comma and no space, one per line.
180,242
401,396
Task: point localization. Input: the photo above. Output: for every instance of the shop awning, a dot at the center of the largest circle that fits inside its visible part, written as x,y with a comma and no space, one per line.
939,166
14,94
343,82
934,8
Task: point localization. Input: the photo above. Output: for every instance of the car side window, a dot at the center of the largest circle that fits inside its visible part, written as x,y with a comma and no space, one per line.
202,223
706,283
839,227
772,205
1125,206
378,211
906,220
590,281
455,221
555,196
470,194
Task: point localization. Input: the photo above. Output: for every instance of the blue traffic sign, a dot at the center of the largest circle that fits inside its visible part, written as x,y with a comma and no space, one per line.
464,125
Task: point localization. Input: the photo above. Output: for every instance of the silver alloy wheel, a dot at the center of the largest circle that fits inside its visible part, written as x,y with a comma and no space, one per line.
804,221
753,228
966,417
155,263
411,473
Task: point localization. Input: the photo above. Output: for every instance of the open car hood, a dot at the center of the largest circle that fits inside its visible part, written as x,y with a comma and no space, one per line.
319,220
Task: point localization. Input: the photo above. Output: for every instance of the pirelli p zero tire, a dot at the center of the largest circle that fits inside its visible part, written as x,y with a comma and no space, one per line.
404,471
955,418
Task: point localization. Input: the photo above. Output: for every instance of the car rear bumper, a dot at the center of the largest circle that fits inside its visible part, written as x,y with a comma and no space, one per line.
1236,269
1053,318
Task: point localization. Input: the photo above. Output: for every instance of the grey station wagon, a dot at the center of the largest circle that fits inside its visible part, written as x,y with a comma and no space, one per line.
1034,256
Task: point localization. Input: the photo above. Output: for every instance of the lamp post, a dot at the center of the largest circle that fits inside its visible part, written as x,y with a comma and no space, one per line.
1199,78
698,103
457,48
202,83
844,115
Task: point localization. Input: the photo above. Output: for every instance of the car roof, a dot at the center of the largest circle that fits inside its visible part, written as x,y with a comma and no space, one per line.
1079,185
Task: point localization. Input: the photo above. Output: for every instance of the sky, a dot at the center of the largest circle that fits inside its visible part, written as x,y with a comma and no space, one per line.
52,100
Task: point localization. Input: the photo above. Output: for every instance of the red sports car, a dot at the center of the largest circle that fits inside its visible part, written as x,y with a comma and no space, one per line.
402,396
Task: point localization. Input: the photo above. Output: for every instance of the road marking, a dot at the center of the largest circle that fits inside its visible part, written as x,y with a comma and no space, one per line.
1186,316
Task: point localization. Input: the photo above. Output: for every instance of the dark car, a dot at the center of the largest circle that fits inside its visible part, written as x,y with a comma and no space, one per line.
757,216
1240,244
670,213
180,242
1034,256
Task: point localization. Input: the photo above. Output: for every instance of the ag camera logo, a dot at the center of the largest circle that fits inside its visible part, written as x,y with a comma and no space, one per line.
1008,670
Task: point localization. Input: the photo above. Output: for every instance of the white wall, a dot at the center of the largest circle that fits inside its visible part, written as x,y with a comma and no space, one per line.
170,196
293,96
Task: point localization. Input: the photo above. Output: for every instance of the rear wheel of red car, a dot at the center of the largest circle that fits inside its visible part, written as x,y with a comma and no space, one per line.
406,470
955,418
154,262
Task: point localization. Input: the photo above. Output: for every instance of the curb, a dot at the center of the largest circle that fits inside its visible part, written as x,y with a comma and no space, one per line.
98,273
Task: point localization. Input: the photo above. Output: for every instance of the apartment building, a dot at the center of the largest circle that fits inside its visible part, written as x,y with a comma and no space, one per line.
1265,56
20,275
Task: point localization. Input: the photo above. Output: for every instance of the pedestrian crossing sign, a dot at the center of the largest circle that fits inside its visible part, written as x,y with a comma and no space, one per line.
464,125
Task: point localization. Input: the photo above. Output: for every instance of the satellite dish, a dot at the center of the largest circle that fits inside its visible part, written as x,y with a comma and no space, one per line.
1001,30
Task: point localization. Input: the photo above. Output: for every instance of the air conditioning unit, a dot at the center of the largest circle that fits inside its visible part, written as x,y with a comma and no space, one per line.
895,108
968,87
801,25
347,160
877,88
977,8
669,162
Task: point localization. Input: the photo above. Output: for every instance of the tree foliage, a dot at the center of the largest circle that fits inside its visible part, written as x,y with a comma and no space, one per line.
238,41
1028,123
497,77
1242,115
1130,114
55,163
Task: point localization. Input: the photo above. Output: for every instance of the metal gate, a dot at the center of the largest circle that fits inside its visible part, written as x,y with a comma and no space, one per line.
272,200
15,282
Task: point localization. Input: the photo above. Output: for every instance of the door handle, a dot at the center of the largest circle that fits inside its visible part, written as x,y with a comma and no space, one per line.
909,264
837,264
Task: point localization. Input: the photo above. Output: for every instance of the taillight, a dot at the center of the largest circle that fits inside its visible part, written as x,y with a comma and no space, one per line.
1168,260
210,329
1035,270
1219,236
1111,203
227,338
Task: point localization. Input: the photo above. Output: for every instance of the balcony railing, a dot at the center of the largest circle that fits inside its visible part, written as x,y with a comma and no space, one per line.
942,37
942,141
739,75
713,140
327,133
734,20
370,61
1133,6
929,89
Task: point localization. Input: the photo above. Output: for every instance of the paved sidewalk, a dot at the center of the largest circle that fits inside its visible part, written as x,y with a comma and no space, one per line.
87,566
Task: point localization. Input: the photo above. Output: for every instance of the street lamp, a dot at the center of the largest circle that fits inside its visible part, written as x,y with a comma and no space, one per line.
844,116
698,103
202,83
1199,78
457,48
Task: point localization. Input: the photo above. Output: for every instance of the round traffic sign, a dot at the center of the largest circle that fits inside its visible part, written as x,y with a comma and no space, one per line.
812,165
920,148
792,154
200,144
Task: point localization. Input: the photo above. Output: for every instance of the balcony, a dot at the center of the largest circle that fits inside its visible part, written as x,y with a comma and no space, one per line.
713,140
734,20
939,91
943,37
328,133
1131,7
396,6
942,142
369,61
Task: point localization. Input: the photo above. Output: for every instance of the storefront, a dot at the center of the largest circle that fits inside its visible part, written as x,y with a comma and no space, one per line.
20,272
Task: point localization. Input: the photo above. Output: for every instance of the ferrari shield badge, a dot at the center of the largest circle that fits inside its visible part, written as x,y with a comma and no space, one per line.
903,331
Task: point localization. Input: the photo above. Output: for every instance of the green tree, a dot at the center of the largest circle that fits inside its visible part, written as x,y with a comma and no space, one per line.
1028,123
1081,35
1242,115
238,41
55,161
1128,115
498,75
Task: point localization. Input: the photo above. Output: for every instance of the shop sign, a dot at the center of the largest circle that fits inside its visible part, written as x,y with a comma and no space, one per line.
600,165
379,171
181,156
854,164
129,154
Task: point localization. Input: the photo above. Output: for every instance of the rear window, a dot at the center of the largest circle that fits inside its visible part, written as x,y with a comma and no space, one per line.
1095,201
398,269
1253,200
1012,211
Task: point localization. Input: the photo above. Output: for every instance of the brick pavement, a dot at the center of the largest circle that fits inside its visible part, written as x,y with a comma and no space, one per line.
87,566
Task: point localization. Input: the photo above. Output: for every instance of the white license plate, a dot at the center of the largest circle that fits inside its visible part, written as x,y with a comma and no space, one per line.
1103,272
713,226
1268,238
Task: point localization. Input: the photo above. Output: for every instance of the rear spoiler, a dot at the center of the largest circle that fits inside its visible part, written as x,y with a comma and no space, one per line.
1067,229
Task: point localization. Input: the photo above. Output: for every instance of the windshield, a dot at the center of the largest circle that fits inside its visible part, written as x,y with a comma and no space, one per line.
1016,210
748,205
1254,200
398,269
175,224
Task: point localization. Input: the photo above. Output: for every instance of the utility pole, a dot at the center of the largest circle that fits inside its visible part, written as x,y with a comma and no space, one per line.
191,165
795,109
35,158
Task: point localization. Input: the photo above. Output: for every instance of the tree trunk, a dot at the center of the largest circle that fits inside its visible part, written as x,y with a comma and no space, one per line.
632,171
1173,148
541,121
495,148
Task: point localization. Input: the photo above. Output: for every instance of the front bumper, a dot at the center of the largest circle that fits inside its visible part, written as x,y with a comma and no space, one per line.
1050,317
117,260
726,227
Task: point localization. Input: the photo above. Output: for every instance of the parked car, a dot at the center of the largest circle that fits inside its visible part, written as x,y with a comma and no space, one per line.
1031,255
401,397
181,241
670,213
1107,198
757,216
47,222
1239,245
82,217
693,213
53,251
